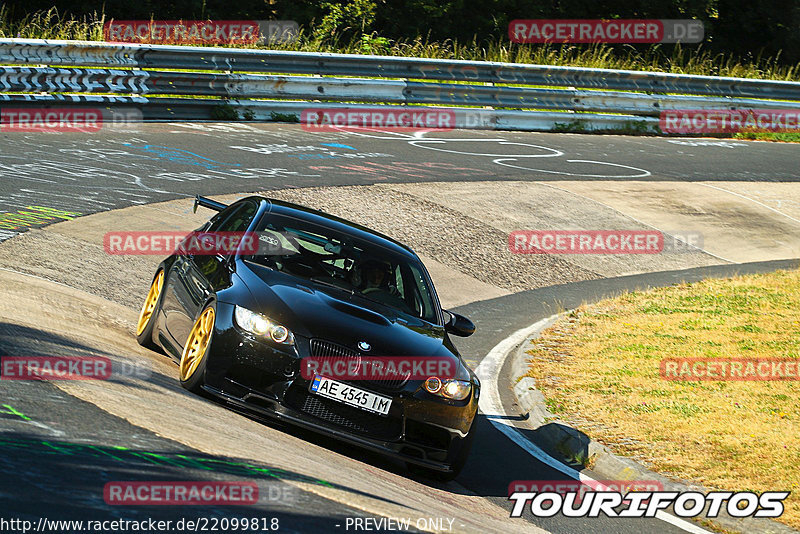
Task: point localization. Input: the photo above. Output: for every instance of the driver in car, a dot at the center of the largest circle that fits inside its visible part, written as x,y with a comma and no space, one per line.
375,281
373,275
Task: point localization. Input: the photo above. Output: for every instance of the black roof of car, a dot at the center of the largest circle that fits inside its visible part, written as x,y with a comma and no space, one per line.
337,223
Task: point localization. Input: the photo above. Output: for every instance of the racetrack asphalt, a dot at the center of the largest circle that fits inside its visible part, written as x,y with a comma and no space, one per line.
87,174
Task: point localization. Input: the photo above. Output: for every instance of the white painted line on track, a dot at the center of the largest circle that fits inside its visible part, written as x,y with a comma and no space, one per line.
642,172
422,143
491,406
751,200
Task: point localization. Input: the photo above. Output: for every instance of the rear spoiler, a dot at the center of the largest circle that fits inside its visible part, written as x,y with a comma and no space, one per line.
207,203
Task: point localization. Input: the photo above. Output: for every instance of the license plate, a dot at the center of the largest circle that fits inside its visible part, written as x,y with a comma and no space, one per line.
352,396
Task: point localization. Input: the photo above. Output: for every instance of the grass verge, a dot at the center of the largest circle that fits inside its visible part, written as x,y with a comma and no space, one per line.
783,137
599,371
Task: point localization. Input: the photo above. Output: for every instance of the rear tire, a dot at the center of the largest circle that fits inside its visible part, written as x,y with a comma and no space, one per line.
149,313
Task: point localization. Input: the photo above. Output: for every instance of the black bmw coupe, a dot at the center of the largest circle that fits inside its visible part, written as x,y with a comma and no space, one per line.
241,324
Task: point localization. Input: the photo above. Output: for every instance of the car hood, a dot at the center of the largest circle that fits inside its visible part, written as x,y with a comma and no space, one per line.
314,311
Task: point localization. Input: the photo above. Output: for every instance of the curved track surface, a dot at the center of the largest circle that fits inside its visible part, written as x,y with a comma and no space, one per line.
454,197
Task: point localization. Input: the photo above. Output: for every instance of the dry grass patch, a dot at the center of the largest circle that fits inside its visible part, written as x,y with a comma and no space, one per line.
599,370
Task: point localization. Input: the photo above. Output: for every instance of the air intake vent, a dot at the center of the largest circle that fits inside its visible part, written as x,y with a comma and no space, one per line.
353,419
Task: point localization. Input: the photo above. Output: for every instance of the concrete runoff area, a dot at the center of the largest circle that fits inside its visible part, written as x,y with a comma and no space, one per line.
459,229
739,221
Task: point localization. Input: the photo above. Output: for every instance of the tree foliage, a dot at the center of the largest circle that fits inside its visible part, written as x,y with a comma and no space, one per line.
746,29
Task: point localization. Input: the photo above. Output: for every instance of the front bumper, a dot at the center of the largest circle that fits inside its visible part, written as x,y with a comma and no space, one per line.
398,450
264,379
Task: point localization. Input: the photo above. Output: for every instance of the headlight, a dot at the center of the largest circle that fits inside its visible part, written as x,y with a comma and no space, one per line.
257,324
449,389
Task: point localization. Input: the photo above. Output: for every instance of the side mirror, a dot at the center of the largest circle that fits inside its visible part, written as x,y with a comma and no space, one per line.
458,325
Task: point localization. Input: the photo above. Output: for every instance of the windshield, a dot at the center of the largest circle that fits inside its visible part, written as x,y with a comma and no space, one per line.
339,261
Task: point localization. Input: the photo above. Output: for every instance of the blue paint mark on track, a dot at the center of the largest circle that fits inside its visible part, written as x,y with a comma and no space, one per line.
338,145
178,155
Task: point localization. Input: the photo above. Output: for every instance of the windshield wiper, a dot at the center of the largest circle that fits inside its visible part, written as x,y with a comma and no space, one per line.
331,284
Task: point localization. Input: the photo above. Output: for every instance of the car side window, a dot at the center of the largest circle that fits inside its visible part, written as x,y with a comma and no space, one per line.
416,293
235,218
422,293
398,280
219,218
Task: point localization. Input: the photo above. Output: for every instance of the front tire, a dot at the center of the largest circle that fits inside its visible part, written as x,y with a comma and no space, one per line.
149,313
195,351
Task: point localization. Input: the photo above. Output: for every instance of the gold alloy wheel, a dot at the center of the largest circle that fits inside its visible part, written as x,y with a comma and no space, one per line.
196,345
150,303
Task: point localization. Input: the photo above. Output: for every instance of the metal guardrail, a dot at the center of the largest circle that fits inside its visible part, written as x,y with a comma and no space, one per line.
185,109
51,80
60,68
